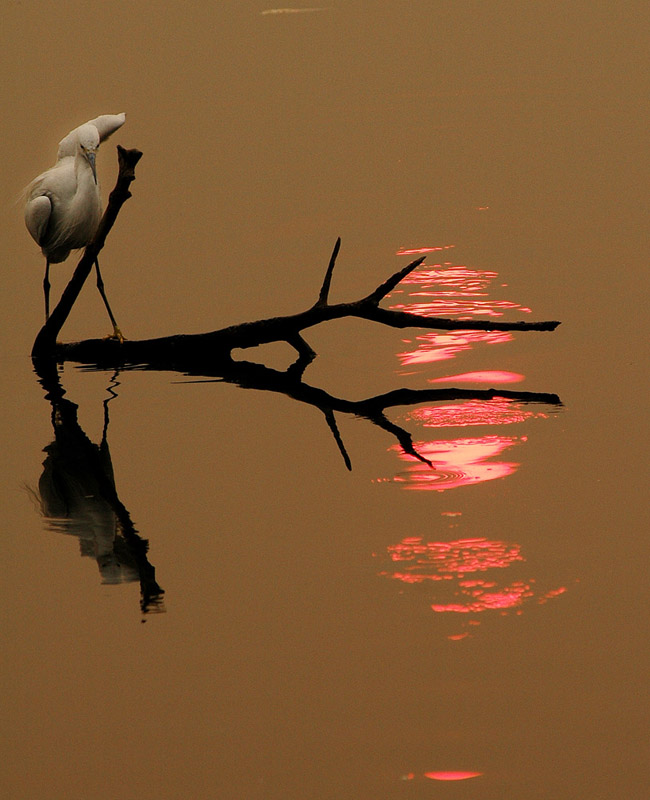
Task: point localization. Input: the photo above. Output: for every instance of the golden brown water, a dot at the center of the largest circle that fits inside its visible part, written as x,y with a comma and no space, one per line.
474,630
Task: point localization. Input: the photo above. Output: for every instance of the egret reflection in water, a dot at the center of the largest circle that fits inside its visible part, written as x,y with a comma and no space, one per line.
77,496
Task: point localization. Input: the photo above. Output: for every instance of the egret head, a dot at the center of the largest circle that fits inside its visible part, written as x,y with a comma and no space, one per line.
88,142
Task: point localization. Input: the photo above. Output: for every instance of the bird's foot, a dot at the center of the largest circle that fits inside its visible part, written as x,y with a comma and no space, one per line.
117,334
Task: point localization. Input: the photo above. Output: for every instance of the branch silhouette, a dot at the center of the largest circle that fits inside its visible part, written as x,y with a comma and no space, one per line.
290,382
216,346
210,354
184,352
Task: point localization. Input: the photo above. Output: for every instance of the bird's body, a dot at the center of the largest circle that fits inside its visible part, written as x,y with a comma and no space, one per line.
63,207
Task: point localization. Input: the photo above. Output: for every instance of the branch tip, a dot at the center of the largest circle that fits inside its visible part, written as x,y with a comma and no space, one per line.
325,288
331,422
387,286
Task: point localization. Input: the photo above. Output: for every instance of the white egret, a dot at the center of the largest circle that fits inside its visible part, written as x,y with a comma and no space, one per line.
63,207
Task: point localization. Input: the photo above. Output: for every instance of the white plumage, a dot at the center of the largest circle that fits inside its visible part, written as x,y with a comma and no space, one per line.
63,205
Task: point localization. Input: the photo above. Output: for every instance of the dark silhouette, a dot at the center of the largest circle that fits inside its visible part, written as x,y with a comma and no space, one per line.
210,354
78,496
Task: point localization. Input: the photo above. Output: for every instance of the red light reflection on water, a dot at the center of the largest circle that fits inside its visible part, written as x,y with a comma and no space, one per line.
477,597
458,276
459,462
454,568
420,250
432,347
487,376
474,597
451,291
452,558
553,593
442,307
451,776
498,411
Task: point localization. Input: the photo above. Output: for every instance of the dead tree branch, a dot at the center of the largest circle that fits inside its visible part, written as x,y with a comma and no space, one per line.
185,352
217,346
210,354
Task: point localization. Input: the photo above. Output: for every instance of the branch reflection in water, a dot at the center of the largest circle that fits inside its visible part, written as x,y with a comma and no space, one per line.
464,461
77,496
251,375
77,493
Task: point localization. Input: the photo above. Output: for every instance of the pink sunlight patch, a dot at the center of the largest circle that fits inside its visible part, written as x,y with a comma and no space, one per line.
451,776
489,376
414,251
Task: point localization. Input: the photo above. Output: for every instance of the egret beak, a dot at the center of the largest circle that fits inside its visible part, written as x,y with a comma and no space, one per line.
90,158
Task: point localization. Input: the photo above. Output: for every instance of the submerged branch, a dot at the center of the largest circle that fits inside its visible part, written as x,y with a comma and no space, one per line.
210,354
185,352
170,352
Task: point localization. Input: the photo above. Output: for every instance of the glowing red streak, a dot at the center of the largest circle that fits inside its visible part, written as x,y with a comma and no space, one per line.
417,250
552,593
498,411
459,557
467,308
447,274
479,600
489,376
441,346
460,462
455,291
451,776
458,569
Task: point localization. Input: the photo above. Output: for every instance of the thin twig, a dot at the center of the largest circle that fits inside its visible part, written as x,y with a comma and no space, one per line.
331,421
323,297
387,286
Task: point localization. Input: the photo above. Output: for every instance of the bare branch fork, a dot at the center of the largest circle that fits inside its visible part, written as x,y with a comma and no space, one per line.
210,354
218,345
250,375
186,351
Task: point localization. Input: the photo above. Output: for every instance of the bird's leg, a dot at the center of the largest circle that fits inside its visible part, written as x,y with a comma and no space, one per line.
46,289
117,333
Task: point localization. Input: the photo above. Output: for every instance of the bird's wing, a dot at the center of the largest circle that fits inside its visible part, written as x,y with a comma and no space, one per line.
37,216
107,124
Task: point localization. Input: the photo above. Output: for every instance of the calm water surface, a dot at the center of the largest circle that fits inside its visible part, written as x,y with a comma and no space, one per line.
200,600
